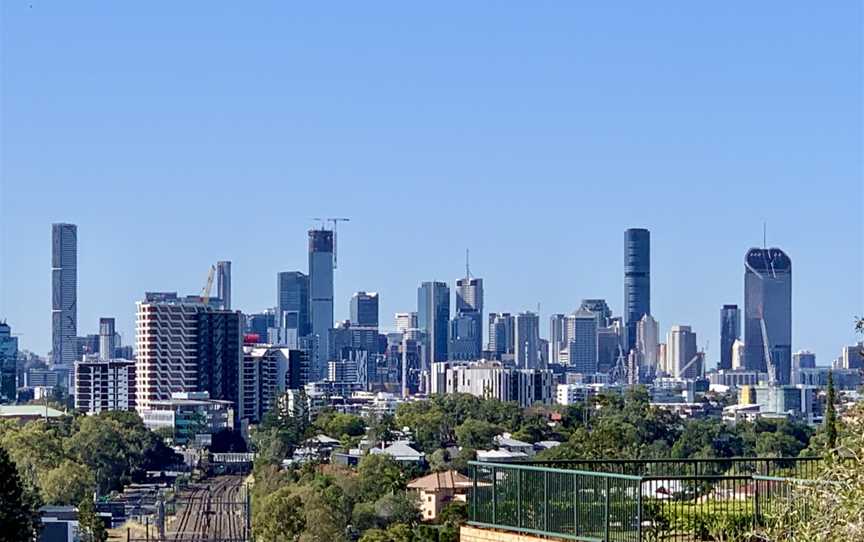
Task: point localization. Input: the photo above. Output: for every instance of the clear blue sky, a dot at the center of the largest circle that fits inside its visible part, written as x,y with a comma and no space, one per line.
178,133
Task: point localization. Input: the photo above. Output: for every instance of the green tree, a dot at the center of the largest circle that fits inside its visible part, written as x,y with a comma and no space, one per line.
399,507
279,517
379,474
381,429
439,460
830,421
67,484
90,525
477,434
344,424
327,513
19,508
100,445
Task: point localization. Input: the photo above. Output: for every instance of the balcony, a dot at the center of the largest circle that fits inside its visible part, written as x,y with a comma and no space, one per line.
630,501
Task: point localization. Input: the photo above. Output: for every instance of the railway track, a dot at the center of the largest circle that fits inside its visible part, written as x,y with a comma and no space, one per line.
213,511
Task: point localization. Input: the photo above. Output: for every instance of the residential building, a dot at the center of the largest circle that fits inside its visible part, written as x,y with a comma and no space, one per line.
684,360
223,283
292,307
219,352
437,490
526,340
104,384
637,281
768,313
490,379
64,294
730,331
321,264
433,319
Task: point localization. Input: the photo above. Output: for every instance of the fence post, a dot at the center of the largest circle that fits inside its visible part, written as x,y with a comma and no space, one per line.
494,496
606,512
519,498
546,501
575,504
639,512
756,507
473,513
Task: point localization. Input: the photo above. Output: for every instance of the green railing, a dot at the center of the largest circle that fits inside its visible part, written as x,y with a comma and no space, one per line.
669,500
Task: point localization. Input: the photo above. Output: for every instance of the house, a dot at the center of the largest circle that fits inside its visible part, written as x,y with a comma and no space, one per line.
500,456
400,451
26,413
506,442
437,490
546,445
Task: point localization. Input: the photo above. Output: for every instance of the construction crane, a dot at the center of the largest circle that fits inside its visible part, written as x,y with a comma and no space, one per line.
205,292
699,356
333,221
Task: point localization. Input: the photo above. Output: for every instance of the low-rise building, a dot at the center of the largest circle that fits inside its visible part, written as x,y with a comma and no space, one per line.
437,490
191,416
400,451
103,385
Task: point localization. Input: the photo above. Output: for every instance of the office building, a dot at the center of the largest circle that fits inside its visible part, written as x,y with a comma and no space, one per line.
223,283
107,338
8,363
104,384
469,301
64,294
364,309
852,357
600,309
433,319
738,352
260,324
501,334
292,307
347,335
582,341
192,417
768,313
320,297
526,341
637,281
730,331
557,341
802,359
406,321
465,336
609,341
682,353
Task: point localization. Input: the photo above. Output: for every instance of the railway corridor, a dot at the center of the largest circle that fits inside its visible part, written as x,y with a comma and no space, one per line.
211,511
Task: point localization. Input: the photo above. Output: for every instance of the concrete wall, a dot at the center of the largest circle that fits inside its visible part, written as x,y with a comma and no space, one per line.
474,534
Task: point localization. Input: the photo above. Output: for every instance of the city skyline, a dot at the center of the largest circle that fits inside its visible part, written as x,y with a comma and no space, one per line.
537,170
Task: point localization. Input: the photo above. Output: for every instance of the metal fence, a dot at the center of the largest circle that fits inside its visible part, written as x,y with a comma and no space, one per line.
669,500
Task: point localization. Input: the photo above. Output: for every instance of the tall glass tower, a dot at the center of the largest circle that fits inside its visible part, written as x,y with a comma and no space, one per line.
730,331
223,283
768,313
433,318
320,297
637,281
64,293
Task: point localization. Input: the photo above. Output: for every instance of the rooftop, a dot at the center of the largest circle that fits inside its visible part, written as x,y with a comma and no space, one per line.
28,411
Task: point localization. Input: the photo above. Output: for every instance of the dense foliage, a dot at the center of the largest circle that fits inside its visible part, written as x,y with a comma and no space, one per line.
18,504
68,459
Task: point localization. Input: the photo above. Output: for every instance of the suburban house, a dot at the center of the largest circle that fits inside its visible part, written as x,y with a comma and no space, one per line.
438,489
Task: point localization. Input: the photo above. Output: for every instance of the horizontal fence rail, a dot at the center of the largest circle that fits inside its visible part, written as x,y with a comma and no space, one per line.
669,500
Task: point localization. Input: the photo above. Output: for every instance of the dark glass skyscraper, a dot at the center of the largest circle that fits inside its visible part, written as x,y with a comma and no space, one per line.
364,309
220,354
64,293
730,331
768,313
292,302
637,281
469,302
433,318
320,297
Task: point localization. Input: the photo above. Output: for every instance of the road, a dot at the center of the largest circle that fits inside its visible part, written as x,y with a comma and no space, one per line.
210,511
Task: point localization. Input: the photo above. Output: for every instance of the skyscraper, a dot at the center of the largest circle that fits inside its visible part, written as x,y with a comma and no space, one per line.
501,334
647,341
433,319
364,309
730,331
637,281
582,341
526,341
223,283
557,341
405,321
683,353
465,339
600,309
64,293
320,297
292,306
107,338
8,363
219,354
469,301
768,313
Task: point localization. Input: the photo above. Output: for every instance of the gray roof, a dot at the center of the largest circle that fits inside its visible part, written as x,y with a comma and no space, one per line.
29,411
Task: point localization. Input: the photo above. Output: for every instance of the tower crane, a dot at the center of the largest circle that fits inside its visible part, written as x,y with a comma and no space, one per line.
205,292
333,221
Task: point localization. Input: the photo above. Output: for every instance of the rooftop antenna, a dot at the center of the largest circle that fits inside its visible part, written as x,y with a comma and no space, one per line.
467,264
764,234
